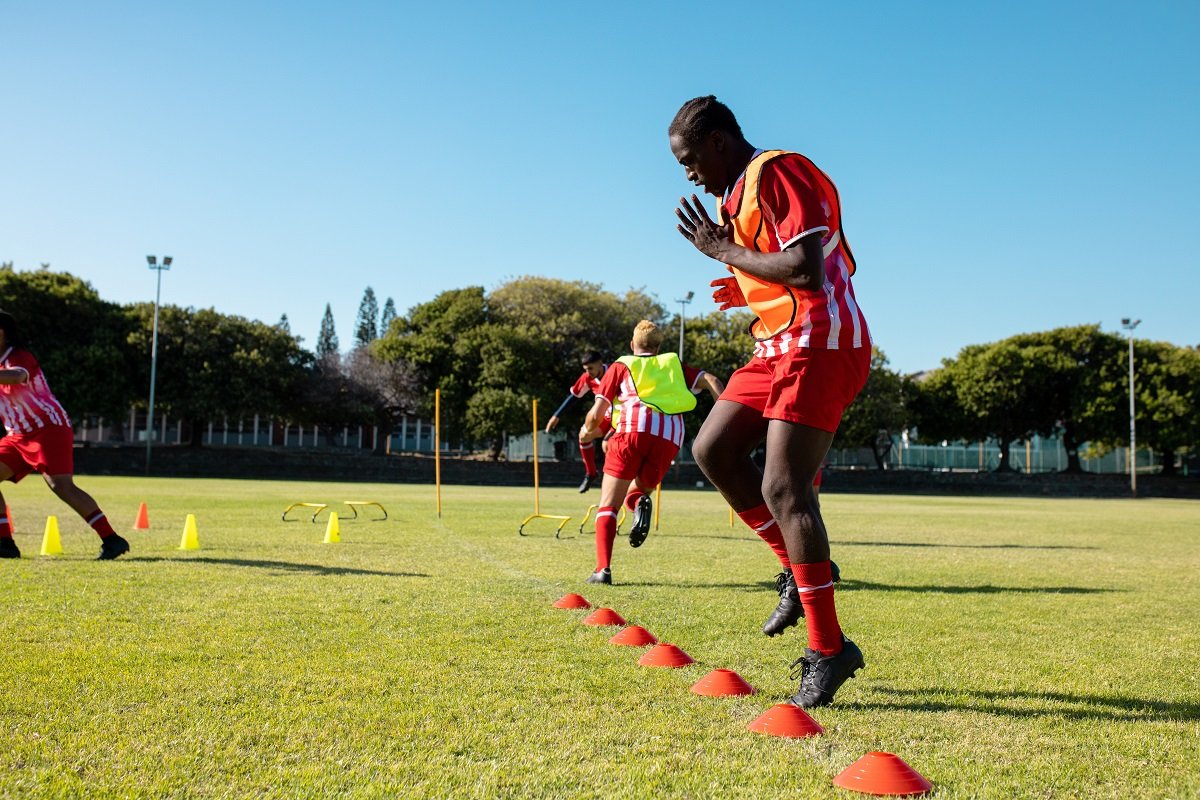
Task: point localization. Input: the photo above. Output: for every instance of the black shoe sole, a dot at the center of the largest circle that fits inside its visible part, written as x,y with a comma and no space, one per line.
109,555
641,521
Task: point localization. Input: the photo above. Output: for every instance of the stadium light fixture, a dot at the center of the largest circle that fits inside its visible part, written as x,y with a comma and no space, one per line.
1129,324
154,265
683,302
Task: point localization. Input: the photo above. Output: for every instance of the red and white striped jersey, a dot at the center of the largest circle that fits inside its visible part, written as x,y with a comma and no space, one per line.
586,383
617,385
28,406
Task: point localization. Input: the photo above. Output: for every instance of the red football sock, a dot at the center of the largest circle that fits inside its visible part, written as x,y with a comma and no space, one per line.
5,527
588,453
99,524
606,534
815,583
631,499
761,522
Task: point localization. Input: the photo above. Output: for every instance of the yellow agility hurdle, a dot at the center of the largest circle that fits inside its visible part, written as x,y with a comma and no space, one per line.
537,504
318,506
354,505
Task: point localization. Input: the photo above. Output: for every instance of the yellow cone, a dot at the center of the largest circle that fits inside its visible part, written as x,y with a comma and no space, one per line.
191,539
332,534
51,543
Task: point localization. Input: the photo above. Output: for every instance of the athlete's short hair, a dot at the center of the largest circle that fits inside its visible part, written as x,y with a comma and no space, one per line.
12,331
647,336
590,357
701,116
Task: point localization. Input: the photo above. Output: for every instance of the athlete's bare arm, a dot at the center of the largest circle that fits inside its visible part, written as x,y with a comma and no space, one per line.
801,266
592,423
8,377
714,385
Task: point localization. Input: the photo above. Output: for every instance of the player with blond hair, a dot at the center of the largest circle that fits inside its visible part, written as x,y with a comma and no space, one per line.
653,391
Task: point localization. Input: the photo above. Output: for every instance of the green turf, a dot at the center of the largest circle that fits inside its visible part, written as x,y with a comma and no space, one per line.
1015,648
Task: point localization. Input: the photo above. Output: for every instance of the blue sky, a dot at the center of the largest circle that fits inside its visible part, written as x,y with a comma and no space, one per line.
1002,168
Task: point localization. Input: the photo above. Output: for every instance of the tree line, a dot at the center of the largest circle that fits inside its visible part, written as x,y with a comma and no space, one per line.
491,353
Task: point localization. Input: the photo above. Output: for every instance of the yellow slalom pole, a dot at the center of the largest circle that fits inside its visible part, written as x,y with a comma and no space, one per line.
731,516
657,505
537,505
437,447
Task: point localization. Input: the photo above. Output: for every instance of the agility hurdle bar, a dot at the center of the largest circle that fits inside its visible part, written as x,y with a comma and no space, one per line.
537,503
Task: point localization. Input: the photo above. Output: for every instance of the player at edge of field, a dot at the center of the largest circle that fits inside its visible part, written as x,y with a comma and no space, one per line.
778,231
588,381
653,391
39,438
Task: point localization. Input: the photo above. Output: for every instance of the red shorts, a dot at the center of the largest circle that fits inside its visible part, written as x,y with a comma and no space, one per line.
50,451
808,386
641,456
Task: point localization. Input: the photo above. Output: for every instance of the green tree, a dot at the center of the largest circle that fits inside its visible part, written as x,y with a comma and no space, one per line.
1167,388
1001,387
79,339
877,412
327,339
1086,395
389,314
212,365
366,328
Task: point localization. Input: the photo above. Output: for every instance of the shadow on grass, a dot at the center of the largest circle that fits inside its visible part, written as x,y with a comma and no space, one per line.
284,566
854,585
968,546
747,537
1117,708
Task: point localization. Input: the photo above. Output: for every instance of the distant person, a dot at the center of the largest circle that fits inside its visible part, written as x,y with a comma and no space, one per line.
39,438
778,230
588,381
653,392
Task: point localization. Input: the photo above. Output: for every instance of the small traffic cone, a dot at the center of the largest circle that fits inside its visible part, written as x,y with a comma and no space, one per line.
883,773
572,601
634,636
12,526
51,542
143,519
788,721
603,616
722,683
665,655
191,538
332,532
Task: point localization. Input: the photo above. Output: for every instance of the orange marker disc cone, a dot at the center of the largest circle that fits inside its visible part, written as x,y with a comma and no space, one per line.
882,773
603,616
143,519
572,601
787,720
634,636
722,683
665,655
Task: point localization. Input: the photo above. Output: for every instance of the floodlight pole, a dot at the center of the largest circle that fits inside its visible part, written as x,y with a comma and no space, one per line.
1129,324
683,303
154,265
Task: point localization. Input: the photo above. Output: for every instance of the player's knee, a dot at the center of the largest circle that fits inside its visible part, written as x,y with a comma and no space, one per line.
706,453
785,494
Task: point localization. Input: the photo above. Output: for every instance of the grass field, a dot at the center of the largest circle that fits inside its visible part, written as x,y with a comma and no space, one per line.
1015,648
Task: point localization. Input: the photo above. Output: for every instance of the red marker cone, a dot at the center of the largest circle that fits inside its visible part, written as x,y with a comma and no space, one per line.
882,773
787,720
143,519
634,636
665,655
603,616
722,683
572,601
